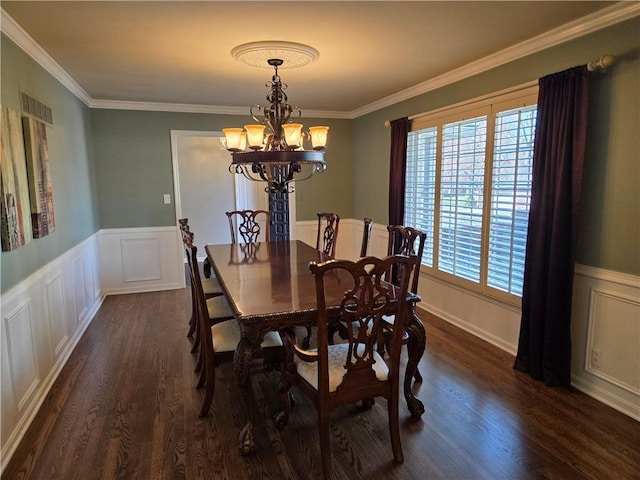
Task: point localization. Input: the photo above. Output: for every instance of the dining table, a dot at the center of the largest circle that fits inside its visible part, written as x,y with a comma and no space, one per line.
270,287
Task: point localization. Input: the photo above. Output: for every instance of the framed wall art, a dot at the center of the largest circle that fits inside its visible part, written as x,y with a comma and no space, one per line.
40,191
16,229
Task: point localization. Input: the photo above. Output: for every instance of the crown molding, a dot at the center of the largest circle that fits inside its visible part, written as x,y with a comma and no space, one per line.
583,26
11,29
166,107
191,108
326,114
569,31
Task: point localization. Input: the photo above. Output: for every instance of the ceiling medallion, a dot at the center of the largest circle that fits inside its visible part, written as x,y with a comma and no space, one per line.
293,54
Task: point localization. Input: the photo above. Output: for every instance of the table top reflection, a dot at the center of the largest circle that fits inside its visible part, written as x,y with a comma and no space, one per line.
271,280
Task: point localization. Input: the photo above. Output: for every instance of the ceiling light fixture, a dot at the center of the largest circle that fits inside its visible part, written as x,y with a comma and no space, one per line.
276,144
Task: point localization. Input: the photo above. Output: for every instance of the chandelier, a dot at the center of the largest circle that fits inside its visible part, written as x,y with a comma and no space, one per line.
272,150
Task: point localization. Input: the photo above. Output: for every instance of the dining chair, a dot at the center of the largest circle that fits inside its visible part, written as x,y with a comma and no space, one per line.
366,236
245,227
364,247
211,286
326,240
220,339
403,241
218,309
345,373
327,236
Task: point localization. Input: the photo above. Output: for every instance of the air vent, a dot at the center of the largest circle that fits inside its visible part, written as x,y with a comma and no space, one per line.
35,109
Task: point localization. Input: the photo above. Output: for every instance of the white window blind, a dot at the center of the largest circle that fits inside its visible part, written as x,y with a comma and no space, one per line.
510,198
461,197
420,189
468,186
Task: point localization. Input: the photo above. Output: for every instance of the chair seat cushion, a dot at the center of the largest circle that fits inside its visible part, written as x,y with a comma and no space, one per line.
218,308
337,358
226,336
389,319
211,286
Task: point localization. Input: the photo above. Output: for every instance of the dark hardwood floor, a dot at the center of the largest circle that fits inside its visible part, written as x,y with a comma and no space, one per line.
125,406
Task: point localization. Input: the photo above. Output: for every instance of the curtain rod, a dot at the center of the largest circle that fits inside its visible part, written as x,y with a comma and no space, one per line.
599,65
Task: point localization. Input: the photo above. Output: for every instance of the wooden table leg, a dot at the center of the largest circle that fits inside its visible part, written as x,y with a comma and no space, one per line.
415,348
241,366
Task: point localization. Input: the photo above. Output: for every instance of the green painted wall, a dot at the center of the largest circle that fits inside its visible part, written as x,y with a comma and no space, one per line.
610,217
133,165
70,152
110,168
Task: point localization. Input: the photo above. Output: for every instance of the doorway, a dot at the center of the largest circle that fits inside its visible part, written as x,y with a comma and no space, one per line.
204,189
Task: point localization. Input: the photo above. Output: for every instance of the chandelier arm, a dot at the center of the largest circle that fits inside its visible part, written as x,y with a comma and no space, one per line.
261,170
248,176
258,108
242,170
312,172
294,167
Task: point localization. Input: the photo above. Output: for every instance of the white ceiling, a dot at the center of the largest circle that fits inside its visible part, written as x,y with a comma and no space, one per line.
179,52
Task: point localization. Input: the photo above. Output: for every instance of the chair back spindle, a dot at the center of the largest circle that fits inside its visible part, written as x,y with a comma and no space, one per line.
366,236
327,236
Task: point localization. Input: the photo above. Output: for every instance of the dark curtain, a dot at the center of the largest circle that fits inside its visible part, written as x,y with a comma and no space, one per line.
397,169
544,347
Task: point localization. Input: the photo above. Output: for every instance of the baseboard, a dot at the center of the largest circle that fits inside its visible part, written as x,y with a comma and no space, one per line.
607,397
494,340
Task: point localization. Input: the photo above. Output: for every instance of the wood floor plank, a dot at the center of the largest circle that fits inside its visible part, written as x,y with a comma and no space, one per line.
125,406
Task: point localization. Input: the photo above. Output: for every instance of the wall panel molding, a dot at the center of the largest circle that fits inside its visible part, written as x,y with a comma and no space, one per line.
141,259
20,348
612,326
136,260
606,337
43,318
57,313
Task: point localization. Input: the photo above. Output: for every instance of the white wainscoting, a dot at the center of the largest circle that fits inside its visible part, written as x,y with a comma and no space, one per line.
349,236
141,259
43,317
606,337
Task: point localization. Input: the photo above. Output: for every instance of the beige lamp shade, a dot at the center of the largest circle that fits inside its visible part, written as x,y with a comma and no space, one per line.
255,136
292,134
319,137
233,138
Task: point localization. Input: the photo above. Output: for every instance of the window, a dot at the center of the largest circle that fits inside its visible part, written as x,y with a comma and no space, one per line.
468,185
